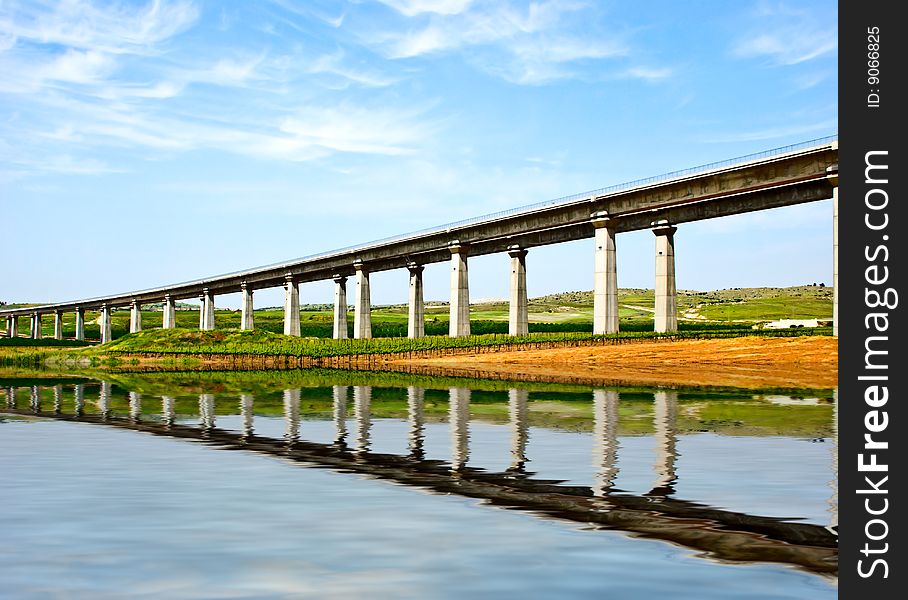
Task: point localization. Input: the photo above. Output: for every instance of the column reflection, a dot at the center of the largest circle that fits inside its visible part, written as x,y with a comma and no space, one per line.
459,420
416,399
246,415
104,400
58,399
517,411
135,407
362,409
834,483
292,416
35,399
665,415
339,396
11,397
206,411
168,411
79,399
605,440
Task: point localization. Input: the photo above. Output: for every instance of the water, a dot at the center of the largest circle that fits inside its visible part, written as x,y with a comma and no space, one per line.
349,485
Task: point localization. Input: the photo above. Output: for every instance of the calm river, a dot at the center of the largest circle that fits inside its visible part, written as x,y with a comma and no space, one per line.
332,484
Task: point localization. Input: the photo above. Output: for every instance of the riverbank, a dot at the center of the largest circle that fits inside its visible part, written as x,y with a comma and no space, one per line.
744,362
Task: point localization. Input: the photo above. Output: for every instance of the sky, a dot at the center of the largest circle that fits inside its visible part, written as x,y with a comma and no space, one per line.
149,143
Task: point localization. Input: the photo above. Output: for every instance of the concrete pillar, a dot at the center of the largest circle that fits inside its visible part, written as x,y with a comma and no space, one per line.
605,276
135,317
362,410
58,325
105,324
460,292
208,306
291,415
459,420
13,330
416,307
9,325
247,309
362,315
247,414
340,307
202,312
605,440
517,410
169,318
665,416
339,397
666,317
416,397
36,326
518,319
835,259
291,307
80,323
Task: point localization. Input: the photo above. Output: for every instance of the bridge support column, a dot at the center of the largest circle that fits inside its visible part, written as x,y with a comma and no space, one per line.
13,329
202,312
36,326
169,318
9,326
605,277
208,310
362,314
340,307
518,319
460,292
247,310
58,325
835,260
135,317
666,317
105,324
416,308
80,323
291,307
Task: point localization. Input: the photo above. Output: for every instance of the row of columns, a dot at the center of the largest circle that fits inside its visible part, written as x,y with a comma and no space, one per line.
605,295
35,325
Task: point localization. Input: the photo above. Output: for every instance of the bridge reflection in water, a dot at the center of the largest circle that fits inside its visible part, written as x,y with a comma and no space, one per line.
721,534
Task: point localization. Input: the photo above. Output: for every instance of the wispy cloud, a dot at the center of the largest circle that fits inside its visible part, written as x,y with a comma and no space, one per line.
532,45
819,128
415,7
788,36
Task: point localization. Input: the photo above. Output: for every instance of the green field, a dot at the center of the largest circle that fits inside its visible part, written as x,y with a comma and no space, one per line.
563,313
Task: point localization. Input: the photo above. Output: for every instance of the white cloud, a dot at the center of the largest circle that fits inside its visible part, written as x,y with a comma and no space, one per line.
649,73
789,36
415,7
110,28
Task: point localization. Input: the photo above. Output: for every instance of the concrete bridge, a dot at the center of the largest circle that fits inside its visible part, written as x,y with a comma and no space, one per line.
786,176
723,534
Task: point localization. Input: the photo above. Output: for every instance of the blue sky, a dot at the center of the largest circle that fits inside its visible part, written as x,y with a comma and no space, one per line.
145,143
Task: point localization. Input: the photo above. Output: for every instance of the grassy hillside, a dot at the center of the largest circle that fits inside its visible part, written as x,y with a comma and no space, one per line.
563,312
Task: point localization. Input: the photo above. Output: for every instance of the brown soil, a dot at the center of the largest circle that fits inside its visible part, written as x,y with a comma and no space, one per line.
748,362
